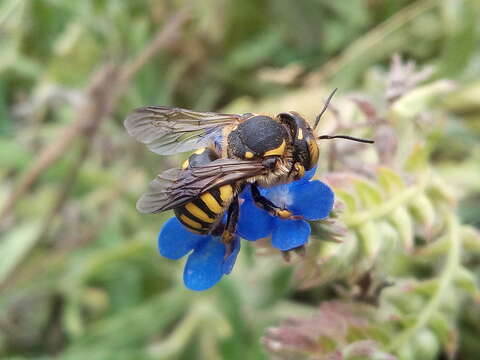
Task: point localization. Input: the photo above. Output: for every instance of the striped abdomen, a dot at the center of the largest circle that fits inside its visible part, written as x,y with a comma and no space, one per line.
203,213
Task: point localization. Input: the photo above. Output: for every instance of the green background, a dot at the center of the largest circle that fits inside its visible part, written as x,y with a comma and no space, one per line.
80,276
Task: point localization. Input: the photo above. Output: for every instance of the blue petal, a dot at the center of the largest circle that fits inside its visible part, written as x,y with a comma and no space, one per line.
253,222
280,195
289,234
230,260
246,193
308,174
313,200
175,241
204,267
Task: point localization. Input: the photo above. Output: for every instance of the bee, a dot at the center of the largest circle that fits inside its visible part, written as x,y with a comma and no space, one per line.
232,150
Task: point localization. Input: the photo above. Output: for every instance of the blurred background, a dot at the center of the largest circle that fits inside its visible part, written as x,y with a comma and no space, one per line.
392,274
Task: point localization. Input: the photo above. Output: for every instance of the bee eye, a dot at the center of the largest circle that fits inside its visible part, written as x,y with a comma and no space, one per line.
270,162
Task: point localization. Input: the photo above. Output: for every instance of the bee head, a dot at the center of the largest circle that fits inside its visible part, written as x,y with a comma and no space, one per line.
305,148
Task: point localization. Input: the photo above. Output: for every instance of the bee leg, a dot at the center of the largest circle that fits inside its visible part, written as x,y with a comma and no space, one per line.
229,231
265,204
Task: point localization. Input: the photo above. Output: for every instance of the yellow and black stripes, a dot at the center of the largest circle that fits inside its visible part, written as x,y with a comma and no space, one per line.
204,212
196,219
201,214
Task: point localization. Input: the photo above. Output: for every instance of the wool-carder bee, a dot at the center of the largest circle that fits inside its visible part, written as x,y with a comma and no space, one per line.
233,150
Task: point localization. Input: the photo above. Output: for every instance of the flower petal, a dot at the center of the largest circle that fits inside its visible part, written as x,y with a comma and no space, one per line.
204,267
253,222
313,200
246,193
289,234
175,241
230,260
280,195
308,174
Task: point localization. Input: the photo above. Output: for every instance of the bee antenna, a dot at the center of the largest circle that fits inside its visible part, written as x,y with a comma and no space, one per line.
319,116
346,137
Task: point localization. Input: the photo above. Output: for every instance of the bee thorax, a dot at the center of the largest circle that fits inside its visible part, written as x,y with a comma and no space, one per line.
282,174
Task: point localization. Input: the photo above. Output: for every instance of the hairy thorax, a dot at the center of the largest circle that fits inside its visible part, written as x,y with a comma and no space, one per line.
281,174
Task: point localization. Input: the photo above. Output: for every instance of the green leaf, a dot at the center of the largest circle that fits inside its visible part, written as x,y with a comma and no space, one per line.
12,155
426,288
348,199
16,245
426,345
409,303
403,223
440,325
369,239
417,160
389,239
368,193
466,99
390,181
460,42
466,280
470,239
422,208
420,99
389,235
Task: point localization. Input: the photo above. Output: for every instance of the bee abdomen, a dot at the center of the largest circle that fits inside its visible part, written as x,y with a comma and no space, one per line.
204,212
195,218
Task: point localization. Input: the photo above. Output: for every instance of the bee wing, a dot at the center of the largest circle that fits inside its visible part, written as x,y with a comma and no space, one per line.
167,130
175,187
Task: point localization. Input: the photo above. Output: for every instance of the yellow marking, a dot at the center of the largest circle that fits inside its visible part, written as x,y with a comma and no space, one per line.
277,151
226,193
198,213
313,150
284,214
300,134
248,155
190,222
200,151
300,169
185,164
211,203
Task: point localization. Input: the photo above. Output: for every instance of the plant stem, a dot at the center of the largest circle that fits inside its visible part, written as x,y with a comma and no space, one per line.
374,37
388,206
446,278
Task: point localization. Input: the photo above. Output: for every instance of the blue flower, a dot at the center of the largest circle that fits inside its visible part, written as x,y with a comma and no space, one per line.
206,263
309,199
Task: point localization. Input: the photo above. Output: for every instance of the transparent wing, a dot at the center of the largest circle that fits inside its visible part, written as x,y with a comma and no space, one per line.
175,187
167,130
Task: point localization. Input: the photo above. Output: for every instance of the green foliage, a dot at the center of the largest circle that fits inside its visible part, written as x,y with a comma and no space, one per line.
392,273
392,227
